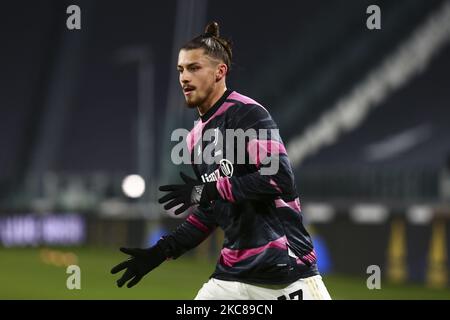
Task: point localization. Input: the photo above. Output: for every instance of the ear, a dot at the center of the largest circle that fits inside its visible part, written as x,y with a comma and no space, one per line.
221,71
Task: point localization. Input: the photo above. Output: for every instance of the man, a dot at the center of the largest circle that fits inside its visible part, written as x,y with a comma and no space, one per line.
267,253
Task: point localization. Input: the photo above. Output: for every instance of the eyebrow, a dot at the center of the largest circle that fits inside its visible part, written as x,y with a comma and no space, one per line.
189,65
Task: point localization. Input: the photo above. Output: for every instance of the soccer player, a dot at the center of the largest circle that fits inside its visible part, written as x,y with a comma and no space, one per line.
267,253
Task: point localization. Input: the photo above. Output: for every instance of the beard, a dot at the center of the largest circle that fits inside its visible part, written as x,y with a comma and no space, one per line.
196,100
191,103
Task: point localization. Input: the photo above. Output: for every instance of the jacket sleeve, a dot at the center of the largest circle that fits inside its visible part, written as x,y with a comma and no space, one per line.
270,173
189,234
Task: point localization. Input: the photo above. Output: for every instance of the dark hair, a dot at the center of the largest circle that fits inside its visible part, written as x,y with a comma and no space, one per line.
214,45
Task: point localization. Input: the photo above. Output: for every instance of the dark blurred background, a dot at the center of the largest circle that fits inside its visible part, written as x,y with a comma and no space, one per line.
364,114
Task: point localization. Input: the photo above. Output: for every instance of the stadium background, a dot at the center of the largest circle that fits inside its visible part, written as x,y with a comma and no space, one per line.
364,114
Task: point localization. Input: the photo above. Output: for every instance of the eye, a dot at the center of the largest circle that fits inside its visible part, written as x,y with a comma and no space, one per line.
194,68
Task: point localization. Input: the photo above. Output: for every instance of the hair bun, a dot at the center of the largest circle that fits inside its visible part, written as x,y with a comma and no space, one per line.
212,29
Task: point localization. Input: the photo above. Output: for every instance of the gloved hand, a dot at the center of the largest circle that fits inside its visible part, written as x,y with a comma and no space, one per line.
190,193
141,262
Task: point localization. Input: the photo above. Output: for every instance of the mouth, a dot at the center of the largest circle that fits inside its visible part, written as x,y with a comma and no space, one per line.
188,90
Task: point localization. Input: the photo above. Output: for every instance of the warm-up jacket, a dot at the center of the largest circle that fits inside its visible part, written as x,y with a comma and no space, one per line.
265,241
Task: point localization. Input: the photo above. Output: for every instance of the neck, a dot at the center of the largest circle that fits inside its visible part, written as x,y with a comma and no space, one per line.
204,107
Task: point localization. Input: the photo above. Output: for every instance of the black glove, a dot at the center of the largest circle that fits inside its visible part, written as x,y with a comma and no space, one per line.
141,262
190,193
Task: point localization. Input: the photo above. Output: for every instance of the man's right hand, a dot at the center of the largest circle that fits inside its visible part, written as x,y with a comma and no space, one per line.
141,262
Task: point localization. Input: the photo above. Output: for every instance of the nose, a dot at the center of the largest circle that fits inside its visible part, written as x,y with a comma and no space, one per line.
184,79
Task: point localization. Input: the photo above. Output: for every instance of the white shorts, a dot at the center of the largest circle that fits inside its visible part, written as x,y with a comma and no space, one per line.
311,288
